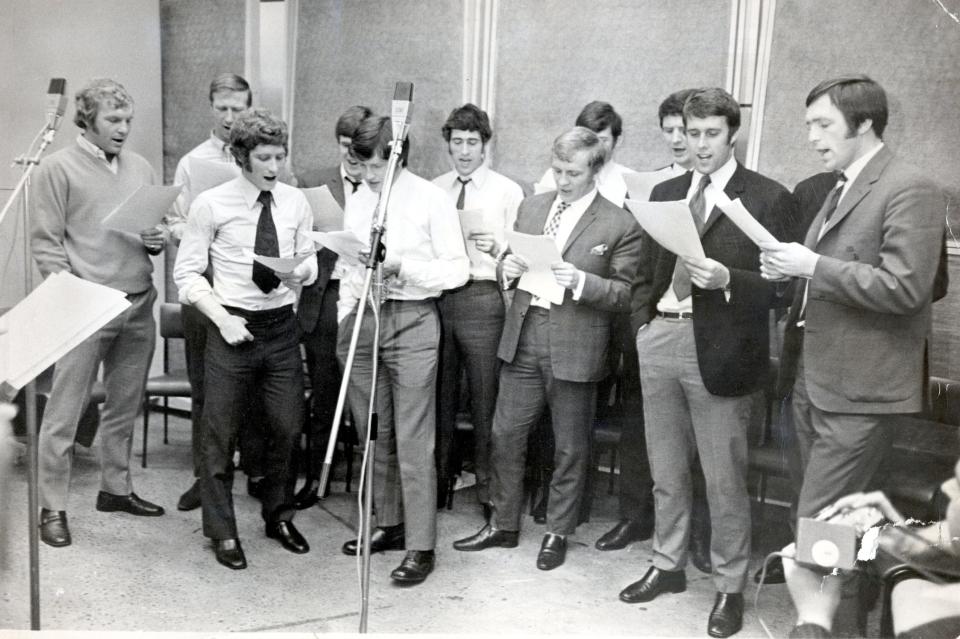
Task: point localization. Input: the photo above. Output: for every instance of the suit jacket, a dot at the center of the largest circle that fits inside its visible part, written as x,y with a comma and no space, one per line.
868,308
732,338
311,296
605,245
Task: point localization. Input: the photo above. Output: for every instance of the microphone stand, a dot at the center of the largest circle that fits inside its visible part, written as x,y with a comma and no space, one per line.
373,293
30,391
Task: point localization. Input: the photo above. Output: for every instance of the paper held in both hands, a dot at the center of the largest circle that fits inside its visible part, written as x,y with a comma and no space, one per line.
204,175
48,323
346,244
539,252
143,209
641,183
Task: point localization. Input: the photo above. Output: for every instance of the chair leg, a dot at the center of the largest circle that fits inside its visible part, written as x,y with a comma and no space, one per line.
146,425
348,480
166,411
613,467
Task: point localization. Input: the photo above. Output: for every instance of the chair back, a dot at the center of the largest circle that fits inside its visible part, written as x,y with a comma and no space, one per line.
170,322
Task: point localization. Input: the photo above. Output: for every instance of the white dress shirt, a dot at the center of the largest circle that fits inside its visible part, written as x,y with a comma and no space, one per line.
213,149
94,150
609,182
222,228
497,197
568,221
423,231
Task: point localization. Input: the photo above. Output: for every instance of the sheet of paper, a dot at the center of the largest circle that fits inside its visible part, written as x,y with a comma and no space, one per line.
49,322
670,224
280,264
740,216
205,175
639,185
346,244
143,209
327,214
471,221
539,252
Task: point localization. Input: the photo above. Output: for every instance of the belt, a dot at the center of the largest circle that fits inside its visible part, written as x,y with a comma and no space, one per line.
668,315
537,310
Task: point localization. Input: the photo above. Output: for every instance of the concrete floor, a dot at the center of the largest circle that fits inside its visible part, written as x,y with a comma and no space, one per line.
125,573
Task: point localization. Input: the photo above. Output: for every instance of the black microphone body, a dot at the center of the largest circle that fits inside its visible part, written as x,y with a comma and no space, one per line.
56,102
400,109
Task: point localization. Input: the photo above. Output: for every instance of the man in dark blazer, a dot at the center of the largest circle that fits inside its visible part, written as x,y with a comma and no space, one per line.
703,347
317,313
554,354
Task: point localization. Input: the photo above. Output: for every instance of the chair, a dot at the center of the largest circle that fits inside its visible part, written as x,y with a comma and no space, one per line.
170,383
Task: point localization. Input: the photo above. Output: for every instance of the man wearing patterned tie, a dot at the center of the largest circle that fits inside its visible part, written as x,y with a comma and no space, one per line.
554,354
703,346
472,315
252,342
317,313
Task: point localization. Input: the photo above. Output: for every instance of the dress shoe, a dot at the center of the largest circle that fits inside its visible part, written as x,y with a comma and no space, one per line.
190,500
229,553
774,572
726,618
653,584
488,537
625,532
288,536
132,504
391,538
53,528
553,552
255,487
700,554
309,495
414,568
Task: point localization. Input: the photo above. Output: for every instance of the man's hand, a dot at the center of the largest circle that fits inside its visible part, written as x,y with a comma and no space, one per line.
566,274
706,273
154,239
296,277
233,329
514,266
485,242
786,259
391,266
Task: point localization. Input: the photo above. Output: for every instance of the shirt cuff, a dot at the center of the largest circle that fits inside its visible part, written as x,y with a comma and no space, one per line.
581,282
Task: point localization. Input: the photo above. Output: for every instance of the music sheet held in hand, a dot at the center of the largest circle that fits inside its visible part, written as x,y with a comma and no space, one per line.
539,252
670,224
143,209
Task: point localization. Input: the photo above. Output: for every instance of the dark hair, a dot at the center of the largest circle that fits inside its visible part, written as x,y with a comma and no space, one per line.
598,116
469,117
98,93
580,139
703,103
373,137
230,82
859,99
673,105
253,128
348,122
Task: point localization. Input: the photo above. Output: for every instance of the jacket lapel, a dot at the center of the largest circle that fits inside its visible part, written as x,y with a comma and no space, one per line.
585,220
539,218
858,190
735,187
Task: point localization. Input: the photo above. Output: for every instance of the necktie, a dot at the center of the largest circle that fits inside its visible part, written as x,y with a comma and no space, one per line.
463,192
266,244
829,208
554,223
354,183
698,207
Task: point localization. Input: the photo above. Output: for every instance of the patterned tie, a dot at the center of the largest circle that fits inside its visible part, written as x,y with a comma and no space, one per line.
354,183
463,192
698,206
553,224
266,244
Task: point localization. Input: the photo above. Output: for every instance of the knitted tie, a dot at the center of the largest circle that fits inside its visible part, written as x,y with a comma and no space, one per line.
553,224
698,206
354,183
266,244
463,192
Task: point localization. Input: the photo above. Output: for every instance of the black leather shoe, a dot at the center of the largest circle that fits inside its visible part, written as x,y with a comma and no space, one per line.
774,573
488,537
255,487
309,495
288,536
414,568
132,504
726,618
381,539
653,584
229,553
553,552
53,528
190,500
624,533
700,554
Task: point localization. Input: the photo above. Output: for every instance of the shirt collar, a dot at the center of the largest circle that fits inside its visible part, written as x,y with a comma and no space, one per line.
583,201
478,177
93,149
852,171
718,178
250,192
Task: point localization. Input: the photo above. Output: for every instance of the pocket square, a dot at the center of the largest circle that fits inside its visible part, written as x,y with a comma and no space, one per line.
599,249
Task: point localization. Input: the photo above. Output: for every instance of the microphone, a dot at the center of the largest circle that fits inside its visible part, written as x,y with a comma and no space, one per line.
400,109
56,102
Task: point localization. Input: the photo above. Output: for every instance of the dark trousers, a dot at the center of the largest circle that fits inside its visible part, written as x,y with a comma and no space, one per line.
527,386
320,345
471,325
269,366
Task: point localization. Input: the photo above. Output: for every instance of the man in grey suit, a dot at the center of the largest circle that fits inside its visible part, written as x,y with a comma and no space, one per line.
554,354
317,313
866,272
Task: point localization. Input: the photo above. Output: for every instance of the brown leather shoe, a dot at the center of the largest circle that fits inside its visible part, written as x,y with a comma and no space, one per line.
726,618
653,584
488,537
53,528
